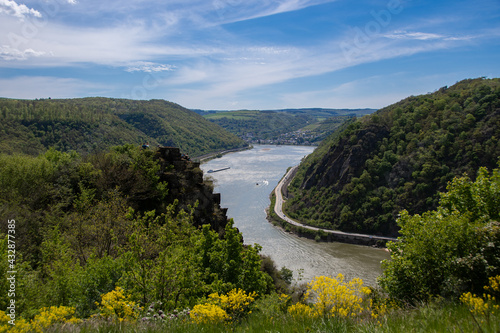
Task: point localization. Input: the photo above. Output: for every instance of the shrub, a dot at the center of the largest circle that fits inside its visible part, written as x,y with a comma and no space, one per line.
333,298
208,313
53,315
449,251
6,324
231,307
46,318
115,305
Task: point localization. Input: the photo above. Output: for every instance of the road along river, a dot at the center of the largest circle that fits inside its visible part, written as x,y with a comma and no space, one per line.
245,188
339,235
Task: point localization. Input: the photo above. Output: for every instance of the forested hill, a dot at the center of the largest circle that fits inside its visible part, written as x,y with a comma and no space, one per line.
399,158
95,124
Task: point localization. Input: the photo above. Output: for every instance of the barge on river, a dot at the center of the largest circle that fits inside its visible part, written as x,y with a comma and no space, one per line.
212,171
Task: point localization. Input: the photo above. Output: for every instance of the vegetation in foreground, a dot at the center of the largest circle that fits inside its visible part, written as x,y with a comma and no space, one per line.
95,264
338,307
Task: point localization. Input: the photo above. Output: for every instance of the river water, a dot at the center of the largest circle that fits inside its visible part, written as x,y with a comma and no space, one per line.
245,190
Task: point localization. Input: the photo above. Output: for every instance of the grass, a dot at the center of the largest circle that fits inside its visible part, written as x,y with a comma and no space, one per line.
268,317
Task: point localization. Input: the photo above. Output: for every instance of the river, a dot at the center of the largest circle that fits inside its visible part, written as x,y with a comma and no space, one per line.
245,190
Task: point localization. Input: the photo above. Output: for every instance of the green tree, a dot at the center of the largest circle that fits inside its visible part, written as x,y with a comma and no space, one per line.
228,264
160,258
451,250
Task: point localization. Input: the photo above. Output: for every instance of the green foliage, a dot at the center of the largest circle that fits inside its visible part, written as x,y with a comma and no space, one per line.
227,264
100,276
96,124
160,260
451,250
400,157
260,124
86,226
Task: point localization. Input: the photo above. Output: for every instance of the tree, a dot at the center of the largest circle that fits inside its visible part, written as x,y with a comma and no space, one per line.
451,250
228,264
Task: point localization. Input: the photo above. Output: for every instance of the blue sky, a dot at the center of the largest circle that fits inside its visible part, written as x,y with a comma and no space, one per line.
246,54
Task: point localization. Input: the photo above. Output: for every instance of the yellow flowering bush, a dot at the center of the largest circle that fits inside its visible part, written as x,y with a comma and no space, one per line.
21,326
494,286
47,317
235,305
116,305
333,297
208,313
53,315
479,306
486,305
284,302
381,307
301,310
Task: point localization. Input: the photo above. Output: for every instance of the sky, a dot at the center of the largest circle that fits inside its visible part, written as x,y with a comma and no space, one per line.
246,54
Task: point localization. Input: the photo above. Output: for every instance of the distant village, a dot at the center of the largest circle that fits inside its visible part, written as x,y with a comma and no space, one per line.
300,137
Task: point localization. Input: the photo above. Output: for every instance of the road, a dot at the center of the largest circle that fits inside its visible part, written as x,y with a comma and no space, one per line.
278,209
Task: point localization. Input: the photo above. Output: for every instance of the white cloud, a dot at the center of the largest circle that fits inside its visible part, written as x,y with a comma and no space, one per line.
230,11
149,67
405,35
413,35
11,7
9,53
247,69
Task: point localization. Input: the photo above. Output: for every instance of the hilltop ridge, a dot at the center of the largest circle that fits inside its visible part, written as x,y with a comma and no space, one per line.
95,124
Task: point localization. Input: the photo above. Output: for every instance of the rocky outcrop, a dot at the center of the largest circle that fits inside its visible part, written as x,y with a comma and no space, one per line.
345,160
185,184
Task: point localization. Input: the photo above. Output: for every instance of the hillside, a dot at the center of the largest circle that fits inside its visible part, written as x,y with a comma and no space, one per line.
95,124
400,157
286,126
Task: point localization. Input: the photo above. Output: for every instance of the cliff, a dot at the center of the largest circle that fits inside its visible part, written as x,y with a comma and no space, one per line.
185,184
345,160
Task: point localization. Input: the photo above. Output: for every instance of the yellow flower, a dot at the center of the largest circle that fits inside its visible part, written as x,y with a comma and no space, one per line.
118,306
494,284
208,313
333,297
52,315
47,317
236,304
486,305
476,304
301,310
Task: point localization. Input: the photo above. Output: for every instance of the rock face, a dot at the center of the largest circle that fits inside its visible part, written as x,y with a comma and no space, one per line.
344,160
185,184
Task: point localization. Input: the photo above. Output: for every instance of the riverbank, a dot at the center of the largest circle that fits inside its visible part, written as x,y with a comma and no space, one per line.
207,157
277,216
